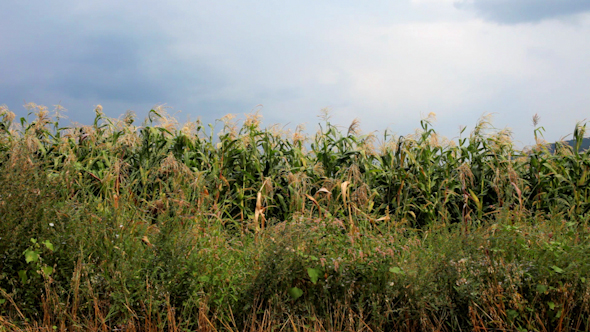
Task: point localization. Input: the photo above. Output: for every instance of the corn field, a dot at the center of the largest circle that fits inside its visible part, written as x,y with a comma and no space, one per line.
418,180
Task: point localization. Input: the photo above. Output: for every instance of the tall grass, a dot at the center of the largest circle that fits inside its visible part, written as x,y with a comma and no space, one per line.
160,226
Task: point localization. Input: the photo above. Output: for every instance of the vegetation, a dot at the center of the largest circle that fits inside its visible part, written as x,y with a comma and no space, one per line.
159,227
585,145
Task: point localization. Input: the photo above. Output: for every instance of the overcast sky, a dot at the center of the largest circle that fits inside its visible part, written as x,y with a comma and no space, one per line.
388,63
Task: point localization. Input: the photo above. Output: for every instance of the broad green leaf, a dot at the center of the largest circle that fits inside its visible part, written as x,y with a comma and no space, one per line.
557,269
396,270
47,270
295,292
313,274
512,314
31,256
48,244
551,305
23,276
541,288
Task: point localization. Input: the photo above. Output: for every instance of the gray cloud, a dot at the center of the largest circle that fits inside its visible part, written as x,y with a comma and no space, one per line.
386,62
81,57
522,11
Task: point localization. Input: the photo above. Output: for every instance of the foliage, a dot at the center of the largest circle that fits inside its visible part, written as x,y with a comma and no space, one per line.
163,227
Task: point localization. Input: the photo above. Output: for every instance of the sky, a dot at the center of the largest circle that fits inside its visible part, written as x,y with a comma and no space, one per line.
387,63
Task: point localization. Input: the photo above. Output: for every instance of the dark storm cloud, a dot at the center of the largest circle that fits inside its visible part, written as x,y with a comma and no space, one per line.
61,53
522,11
105,66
